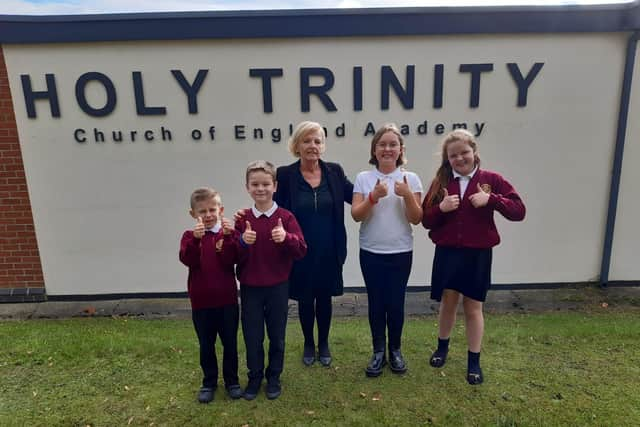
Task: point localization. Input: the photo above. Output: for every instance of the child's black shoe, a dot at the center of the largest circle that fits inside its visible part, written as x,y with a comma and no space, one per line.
474,372
251,392
475,377
235,391
274,389
396,362
205,395
438,359
377,362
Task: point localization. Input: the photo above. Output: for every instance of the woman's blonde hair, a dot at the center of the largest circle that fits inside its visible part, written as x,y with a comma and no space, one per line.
302,130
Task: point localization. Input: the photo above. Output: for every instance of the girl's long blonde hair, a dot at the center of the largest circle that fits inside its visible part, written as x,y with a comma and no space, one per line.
444,173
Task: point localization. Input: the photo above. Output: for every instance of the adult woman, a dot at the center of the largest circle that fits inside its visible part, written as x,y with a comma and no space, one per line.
387,201
315,191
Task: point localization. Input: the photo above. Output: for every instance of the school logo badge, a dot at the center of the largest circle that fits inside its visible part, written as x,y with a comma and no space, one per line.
486,188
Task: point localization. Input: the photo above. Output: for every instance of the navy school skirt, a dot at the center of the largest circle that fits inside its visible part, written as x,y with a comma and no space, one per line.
465,270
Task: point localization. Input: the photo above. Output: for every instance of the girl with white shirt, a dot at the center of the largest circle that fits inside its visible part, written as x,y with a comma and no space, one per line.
386,200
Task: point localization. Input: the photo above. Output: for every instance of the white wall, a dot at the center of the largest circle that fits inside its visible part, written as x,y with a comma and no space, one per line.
109,216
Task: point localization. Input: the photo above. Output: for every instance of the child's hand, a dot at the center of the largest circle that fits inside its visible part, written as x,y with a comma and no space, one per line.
449,203
239,215
227,226
198,230
379,191
249,236
401,188
480,198
278,234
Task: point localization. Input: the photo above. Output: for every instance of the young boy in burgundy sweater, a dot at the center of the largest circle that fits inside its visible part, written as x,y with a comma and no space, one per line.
271,240
210,251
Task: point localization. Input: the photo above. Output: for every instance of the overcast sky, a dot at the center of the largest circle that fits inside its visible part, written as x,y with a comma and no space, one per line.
58,7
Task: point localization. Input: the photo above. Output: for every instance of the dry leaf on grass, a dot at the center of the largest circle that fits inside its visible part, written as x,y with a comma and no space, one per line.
363,394
377,396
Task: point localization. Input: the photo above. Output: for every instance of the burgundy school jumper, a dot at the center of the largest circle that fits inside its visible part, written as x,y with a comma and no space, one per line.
266,263
470,227
211,282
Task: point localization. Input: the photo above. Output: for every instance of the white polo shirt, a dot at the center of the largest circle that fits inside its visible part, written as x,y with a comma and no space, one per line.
464,180
386,229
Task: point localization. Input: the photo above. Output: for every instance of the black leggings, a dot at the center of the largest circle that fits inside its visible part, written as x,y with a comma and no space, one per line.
318,307
386,277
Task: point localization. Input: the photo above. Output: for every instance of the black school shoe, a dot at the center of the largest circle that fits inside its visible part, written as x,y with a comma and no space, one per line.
438,359
396,362
252,389
205,395
377,362
274,389
475,377
235,391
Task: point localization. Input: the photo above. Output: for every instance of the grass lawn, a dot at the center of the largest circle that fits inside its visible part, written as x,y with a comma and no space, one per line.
576,368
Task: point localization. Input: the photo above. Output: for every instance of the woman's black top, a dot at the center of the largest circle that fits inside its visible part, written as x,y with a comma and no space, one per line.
320,213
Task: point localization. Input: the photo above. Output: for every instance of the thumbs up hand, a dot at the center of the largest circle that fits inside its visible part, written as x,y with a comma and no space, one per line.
278,234
227,226
379,191
401,188
249,236
480,198
449,203
198,229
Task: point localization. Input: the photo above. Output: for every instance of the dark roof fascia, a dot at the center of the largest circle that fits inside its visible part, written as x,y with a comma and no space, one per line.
319,23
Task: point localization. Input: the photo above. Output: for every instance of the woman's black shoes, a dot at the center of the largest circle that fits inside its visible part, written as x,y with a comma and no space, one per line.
309,355
324,355
377,362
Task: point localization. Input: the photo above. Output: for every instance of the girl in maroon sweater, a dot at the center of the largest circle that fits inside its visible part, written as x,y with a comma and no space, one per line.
458,212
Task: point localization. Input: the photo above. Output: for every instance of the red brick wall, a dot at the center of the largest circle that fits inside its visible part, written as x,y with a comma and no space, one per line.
20,267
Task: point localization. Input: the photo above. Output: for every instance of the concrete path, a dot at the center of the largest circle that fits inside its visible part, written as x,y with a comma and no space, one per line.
350,304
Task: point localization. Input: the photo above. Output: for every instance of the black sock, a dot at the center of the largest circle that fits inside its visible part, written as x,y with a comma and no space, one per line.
473,362
443,345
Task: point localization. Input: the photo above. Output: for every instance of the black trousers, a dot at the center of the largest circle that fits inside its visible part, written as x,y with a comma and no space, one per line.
386,277
209,323
264,306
